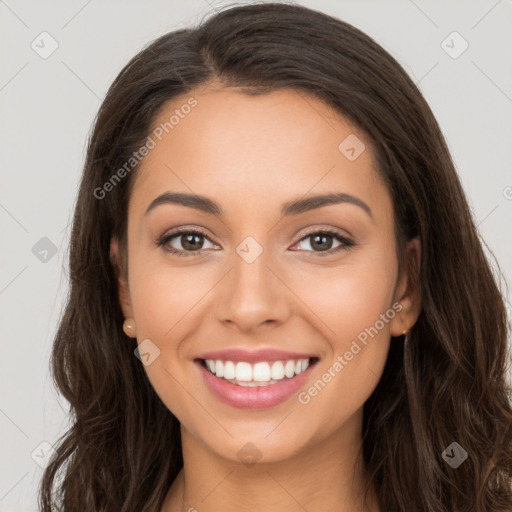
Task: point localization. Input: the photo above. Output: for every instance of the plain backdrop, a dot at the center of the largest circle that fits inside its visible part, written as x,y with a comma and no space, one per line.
47,106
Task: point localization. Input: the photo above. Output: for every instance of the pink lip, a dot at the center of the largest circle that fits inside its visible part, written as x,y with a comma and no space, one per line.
255,397
254,356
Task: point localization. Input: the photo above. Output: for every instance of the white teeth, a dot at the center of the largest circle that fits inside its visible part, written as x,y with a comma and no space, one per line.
253,384
243,372
277,370
289,369
261,372
229,370
258,374
219,369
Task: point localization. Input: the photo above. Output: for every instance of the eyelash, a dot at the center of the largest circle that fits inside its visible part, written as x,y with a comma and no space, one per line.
346,243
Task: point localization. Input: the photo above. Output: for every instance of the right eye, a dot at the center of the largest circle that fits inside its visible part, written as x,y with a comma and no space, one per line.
188,240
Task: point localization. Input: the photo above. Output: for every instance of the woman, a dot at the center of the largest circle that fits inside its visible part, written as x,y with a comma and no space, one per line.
279,299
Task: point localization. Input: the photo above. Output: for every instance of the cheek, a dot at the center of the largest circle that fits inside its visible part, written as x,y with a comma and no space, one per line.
348,298
163,295
352,306
168,306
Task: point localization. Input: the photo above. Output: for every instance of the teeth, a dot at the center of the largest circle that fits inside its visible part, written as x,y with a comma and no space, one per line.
243,371
289,369
277,370
229,370
261,372
253,384
219,369
258,374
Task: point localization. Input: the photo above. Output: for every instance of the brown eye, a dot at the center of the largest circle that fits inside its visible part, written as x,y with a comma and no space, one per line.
184,241
321,242
191,242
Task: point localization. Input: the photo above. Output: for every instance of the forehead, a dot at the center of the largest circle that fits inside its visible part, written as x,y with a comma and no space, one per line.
251,151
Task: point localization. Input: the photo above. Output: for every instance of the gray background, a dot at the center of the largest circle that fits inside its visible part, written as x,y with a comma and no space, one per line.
47,107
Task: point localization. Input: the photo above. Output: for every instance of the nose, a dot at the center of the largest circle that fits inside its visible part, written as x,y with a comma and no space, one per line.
252,294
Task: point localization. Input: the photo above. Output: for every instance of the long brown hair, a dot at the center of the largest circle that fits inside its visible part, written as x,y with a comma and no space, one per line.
123,449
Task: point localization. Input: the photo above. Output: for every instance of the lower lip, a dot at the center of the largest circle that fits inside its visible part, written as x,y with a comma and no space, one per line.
257,397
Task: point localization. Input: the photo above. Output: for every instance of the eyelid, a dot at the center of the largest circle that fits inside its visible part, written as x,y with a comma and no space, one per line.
171,233
326,229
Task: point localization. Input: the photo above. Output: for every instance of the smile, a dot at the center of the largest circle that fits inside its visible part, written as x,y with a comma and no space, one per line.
262,373
255,385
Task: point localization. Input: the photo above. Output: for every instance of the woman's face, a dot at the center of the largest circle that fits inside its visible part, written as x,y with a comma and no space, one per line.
262,274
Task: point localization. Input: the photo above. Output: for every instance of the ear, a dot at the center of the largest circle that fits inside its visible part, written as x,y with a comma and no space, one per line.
121,272
407,292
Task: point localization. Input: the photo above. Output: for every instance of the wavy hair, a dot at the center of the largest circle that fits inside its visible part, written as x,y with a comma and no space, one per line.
123,449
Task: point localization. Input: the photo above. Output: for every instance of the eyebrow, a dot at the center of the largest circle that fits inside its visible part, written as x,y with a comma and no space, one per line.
295,207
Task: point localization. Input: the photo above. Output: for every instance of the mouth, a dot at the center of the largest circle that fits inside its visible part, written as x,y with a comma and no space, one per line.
255,385
262,373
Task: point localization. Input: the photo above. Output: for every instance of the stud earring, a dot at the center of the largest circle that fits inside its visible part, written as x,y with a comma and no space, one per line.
129,327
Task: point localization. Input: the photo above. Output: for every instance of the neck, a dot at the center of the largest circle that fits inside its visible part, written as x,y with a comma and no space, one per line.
327,475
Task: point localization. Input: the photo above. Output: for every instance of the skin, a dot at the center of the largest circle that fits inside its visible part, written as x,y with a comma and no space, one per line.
251,154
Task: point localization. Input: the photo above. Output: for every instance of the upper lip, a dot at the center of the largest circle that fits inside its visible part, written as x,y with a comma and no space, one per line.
253,356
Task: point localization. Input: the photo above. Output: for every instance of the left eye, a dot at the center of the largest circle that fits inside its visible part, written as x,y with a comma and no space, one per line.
323,240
